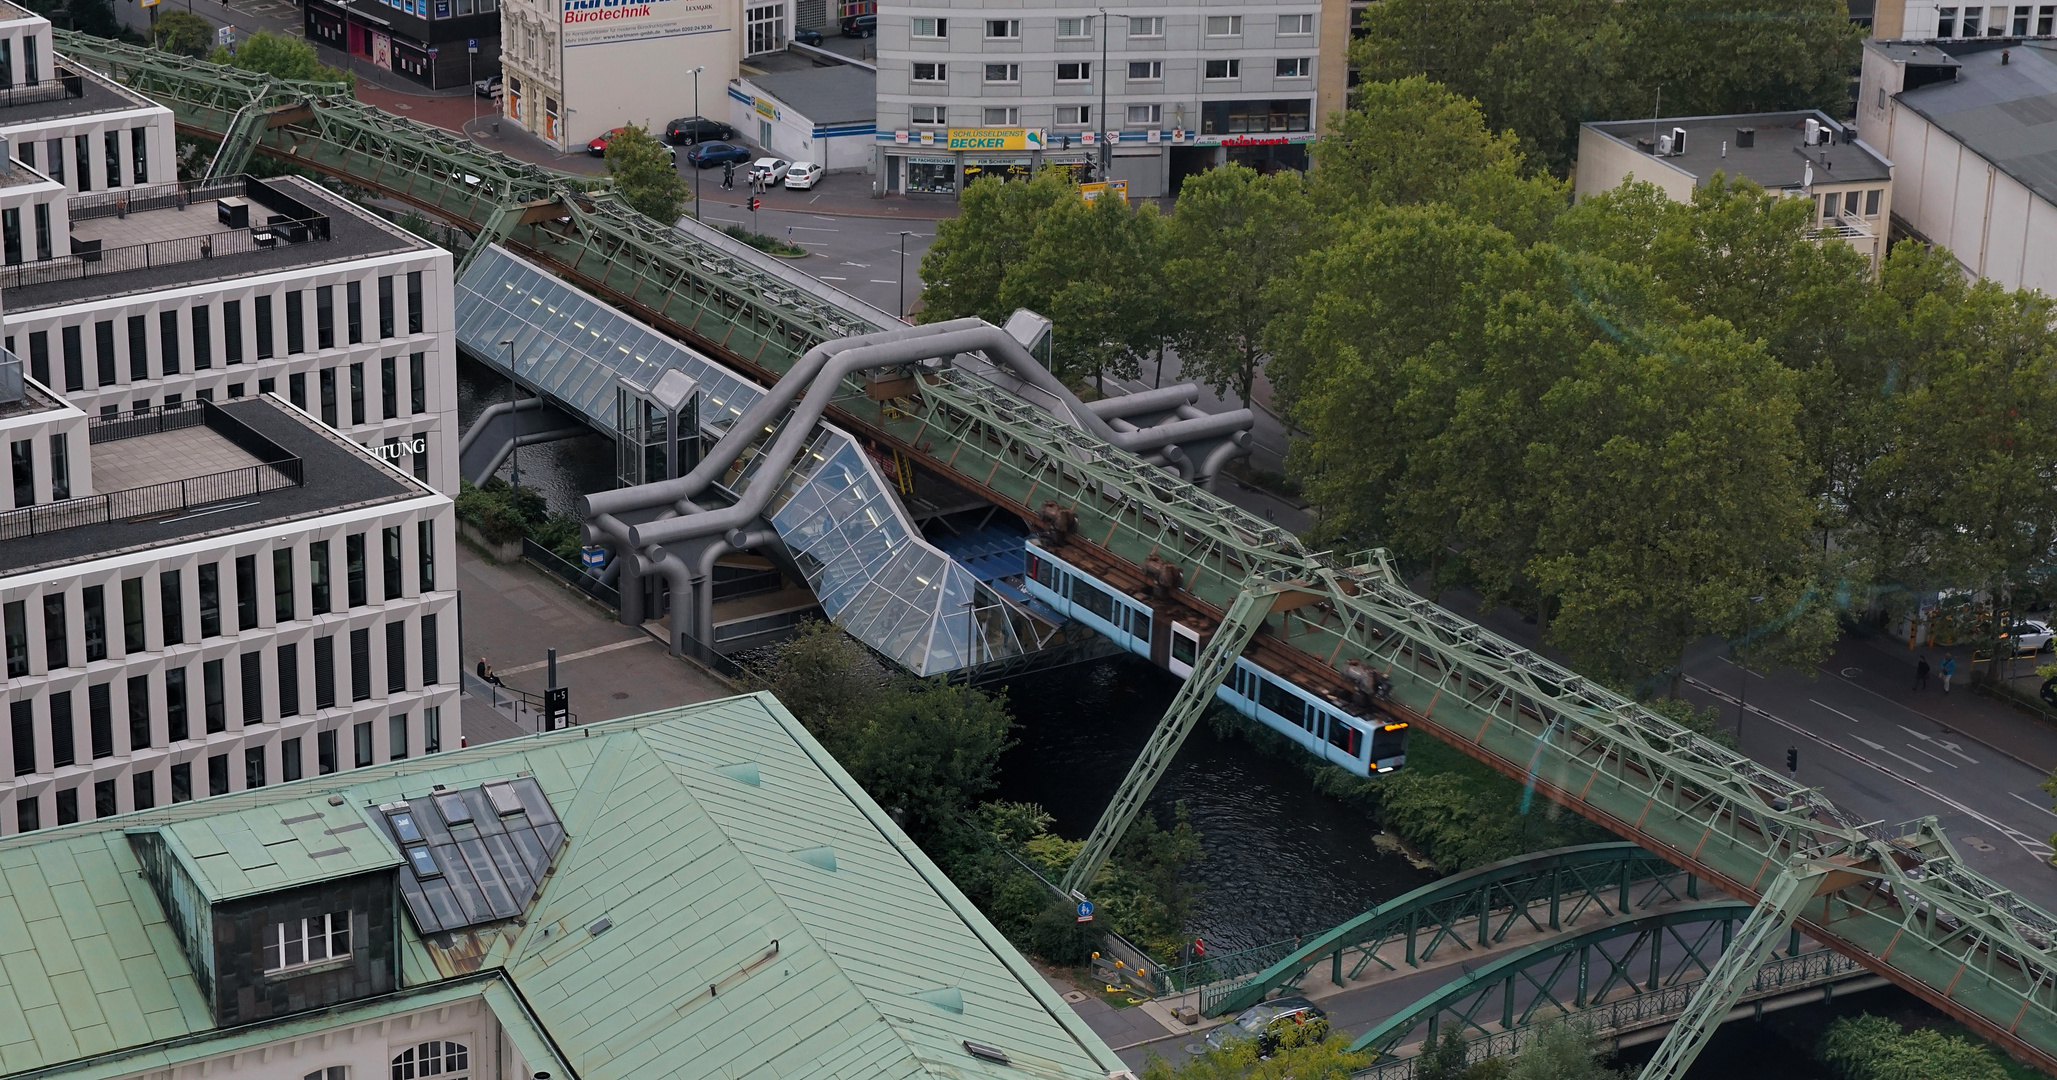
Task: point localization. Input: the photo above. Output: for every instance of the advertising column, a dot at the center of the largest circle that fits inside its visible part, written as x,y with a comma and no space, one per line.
631,61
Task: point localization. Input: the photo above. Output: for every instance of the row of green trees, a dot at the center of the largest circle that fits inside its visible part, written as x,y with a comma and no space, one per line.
1640,421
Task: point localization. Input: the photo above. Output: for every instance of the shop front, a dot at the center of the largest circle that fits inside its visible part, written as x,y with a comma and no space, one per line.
437,43
1269,136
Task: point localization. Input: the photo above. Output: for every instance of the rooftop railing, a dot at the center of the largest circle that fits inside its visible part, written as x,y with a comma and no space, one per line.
287,220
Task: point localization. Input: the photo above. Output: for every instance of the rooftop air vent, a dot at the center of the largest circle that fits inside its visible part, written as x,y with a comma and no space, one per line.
1746,137
987,1053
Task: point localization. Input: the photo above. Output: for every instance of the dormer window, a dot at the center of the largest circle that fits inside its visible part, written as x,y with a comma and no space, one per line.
298,943
424,863
453,809
405,828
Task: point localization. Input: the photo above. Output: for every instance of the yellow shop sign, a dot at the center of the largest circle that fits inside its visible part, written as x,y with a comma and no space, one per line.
999,138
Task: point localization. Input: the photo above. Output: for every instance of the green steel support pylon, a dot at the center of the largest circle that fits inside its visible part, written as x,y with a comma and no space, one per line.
1762,932
1244,617
249,125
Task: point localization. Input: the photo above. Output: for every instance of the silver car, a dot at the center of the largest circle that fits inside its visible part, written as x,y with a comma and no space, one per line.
769,169
1267,1022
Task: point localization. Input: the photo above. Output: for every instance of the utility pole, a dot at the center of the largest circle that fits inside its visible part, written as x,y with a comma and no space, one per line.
513,412
1106,152
690,159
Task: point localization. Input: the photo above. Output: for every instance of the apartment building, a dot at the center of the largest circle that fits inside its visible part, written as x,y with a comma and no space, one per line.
968,88
156,296
85,132
1800,154
1928,20
204,598
581,68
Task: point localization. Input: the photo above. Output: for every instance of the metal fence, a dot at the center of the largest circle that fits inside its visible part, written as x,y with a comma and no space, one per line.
107,429
150,197
156,500
93,263
11,388
571,574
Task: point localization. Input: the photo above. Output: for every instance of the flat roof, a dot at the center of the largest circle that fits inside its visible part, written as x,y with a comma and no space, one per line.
832,94
99,95
354,233
1777,162
715,844
337,475
2003,112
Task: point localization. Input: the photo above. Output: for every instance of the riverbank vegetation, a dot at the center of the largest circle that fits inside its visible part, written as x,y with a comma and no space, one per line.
929,752
1867,1047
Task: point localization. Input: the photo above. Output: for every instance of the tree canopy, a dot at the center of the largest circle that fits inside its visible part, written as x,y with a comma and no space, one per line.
279,56
645,175
184,33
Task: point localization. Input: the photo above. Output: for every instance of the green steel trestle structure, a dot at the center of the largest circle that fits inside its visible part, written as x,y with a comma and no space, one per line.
1896,899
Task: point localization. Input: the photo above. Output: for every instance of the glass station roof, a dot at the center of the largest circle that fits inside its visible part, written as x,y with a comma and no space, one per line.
472,855
875,575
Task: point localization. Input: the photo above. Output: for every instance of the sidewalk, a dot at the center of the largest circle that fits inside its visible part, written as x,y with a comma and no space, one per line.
513,615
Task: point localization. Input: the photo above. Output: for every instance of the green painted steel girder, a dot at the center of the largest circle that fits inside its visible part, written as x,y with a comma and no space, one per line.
1566,955
1194,695
1603,874
1919,916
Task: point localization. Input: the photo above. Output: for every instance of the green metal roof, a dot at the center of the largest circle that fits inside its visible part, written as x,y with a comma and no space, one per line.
779,928
277,846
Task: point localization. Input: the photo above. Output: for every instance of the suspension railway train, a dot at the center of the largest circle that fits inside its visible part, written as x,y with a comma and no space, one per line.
1365,746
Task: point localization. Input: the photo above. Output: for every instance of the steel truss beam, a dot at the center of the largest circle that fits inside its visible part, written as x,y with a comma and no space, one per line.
1918,917
1212,666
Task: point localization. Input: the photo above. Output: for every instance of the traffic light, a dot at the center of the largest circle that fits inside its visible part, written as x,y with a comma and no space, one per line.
755,202
1793,760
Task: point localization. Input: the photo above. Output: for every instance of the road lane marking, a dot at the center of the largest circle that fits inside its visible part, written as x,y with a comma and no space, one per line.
2037,848
825,277
1943,743
1930,756
1837,711
884,281
1881,748
811,228
2037,805
580,655
860,266
1732,663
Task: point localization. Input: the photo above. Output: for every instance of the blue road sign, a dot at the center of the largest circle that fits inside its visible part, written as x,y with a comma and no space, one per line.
1085,911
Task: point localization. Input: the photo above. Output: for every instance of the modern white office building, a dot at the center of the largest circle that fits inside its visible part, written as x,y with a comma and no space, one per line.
84,132
971,88
122,302
210,597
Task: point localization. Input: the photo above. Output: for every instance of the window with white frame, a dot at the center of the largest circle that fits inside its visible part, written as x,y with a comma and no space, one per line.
764,28
1005,116
333,1072
1003,73
1145,71
1003,29
927,73
1075,28
927,115
1296,24
1151,26
930,28
1146,114
436,1058
1224,69
1295,67
1224,25
1074,115
297,943
1075,71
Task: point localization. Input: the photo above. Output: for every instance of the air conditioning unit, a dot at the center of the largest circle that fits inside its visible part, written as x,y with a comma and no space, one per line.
1663,146
1678,140
1813,136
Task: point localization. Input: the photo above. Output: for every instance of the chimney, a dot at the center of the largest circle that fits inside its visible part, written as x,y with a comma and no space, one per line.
1746,137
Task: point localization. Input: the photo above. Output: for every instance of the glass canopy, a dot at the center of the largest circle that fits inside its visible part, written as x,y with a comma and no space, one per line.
875,575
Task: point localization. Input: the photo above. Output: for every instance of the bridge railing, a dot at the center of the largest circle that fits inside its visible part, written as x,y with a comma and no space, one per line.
1635,1012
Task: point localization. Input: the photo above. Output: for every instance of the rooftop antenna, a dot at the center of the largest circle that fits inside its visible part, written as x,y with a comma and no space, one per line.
1656,113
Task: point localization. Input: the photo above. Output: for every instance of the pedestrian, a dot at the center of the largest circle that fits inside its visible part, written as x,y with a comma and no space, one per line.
1921,674
484,671
728,175
1946,669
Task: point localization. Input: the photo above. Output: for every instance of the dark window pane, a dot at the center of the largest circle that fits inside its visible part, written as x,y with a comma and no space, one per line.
324,672
100,717
253,687
177,728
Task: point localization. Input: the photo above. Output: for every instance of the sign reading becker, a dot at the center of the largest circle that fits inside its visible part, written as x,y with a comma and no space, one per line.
1001,138
601,22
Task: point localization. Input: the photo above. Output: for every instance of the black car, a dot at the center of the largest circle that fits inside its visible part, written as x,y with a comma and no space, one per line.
807,36
861,26
697,129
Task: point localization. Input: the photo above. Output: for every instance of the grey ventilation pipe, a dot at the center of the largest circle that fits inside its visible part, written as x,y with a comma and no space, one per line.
484,419
703,597
751,424
1220,456
1143,401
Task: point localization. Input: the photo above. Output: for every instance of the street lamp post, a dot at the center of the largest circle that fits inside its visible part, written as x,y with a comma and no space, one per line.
1743,700
903,274
513,412
696,141
1106,151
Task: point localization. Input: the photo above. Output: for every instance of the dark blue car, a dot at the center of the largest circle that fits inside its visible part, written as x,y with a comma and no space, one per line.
710,154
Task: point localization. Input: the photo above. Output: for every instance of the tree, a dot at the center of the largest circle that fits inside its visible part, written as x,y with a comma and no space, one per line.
1563,1050
927,751
1867,1047
825,678
645,175
1092,268
184,33
281,57
1309,1052
1444,1057
1412,141
996,220
1234,235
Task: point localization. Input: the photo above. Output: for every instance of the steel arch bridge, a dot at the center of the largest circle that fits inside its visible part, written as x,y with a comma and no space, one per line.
1896,900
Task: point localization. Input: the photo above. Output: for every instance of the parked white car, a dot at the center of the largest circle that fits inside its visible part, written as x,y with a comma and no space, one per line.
803,174
769,169
2030,637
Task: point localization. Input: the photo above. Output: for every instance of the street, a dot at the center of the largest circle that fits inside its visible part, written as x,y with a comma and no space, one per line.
1889,753
860,255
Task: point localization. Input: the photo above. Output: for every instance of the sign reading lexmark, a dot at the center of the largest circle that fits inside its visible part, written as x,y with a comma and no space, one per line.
598,22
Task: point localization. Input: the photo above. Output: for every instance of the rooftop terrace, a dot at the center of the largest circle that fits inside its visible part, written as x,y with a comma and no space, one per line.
159,237
70,92
1776,160
195,470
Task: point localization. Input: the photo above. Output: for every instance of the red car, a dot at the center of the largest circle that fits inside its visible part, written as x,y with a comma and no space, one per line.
599,144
